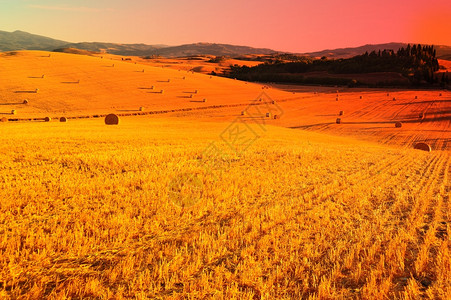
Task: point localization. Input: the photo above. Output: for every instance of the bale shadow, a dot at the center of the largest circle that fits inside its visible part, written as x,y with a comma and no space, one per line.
128,110
424,102
70,82
36,77
145,88
25,92
17,103
163,81
154,92
311,125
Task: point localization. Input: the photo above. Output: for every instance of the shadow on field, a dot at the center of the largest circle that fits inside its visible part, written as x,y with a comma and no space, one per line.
311,125
17,103
424,102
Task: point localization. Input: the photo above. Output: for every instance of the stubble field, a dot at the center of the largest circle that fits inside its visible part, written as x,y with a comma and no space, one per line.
161,206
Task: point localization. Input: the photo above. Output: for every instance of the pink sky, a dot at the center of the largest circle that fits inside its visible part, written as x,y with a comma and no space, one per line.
285,25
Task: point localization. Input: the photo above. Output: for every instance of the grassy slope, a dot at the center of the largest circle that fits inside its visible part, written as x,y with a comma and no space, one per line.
123,89
104,88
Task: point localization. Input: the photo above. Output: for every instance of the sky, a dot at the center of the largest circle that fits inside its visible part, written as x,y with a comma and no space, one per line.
283,25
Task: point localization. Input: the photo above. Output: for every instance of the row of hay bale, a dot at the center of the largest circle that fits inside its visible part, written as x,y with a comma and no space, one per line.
46,119
267,115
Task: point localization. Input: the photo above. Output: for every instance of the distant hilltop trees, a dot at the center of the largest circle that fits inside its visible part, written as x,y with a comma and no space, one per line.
416,62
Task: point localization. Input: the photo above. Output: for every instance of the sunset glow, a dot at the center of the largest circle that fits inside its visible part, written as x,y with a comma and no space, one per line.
286,25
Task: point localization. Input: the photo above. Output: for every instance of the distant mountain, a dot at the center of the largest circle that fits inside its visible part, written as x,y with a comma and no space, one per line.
210,49
443,52
119,49
19,40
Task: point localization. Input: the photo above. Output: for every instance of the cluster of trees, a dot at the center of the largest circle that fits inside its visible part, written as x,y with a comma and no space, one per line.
416,62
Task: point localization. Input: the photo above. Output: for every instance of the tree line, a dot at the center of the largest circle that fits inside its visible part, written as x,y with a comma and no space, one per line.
418,63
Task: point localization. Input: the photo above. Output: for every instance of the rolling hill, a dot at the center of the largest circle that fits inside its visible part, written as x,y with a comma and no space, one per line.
20,40
443,52
78,86
216,199
210,49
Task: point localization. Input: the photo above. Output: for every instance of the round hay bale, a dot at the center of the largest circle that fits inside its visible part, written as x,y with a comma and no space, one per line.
162,92
421,115
340,113
336,99
111,119
273,102
25,101
398,124
388,94
196,91
36,91
338,121
276,117
4,119
243,113
13,112
63,119
43,76
268,115
152,87
394,99
440,94
47,119
141,108
361,97
416,97
204,100
423,146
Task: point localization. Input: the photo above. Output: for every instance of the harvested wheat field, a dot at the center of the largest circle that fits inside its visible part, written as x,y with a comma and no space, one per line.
172,203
